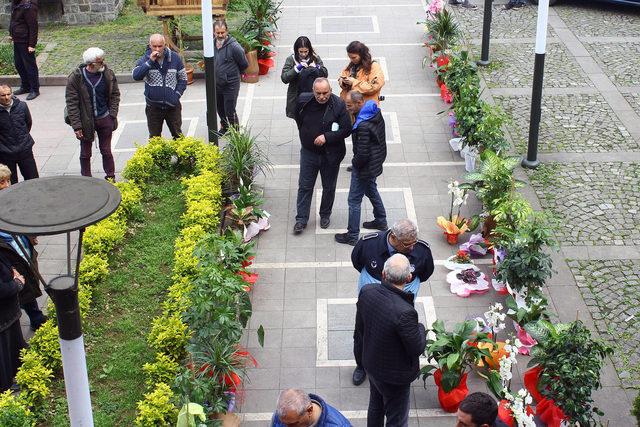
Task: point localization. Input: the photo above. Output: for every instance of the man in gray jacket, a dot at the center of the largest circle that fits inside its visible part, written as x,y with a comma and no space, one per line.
230,62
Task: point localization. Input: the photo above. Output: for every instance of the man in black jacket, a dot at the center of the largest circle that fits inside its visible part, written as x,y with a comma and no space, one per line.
23,31
388,343
16,144
369,153
230,62
323,124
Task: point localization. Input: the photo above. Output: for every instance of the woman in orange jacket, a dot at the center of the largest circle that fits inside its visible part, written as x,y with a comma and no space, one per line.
362,74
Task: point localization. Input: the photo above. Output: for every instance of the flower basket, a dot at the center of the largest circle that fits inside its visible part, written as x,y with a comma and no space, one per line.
455,143
450,401
450,264
465,288
452,238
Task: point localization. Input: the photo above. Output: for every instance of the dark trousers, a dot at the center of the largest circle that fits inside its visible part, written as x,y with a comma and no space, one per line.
27,165
226,100
25,63
156,117
357,190
36,317
310,164
104,129
390,400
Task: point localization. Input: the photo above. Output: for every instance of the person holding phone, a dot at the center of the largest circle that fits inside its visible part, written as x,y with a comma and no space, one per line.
362,74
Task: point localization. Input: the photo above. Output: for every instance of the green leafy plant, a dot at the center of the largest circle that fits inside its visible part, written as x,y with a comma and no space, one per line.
468,108
230,249
169,334
245,207
14,414
33,378
442,32
249,40
454,352
242,158
262,20
488,131
157,408
635,410
163,370
462,69
530,316
571,361
526,265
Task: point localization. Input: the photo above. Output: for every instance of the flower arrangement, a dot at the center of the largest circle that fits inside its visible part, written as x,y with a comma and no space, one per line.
460,261
477,246
462,257
456,224
434,7
466,282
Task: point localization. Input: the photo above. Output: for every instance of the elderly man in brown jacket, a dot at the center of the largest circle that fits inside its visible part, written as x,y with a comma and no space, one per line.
93,98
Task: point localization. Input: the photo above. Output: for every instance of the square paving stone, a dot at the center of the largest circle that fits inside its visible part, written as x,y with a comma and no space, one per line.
346,24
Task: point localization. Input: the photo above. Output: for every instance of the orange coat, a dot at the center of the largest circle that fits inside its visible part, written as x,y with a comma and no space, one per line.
368,84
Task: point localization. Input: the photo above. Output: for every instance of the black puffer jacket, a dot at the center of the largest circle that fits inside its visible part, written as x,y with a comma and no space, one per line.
388,342
369,141
9,288
23,26
15,125
230,62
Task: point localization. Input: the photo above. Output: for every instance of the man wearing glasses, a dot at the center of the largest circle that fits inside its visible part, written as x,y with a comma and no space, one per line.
93,98
371,252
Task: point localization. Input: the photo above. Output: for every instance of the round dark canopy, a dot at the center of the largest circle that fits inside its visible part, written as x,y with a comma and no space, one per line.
57,204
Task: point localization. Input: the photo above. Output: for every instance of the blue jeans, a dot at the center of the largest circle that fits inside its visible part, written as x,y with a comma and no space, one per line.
358,189
310,164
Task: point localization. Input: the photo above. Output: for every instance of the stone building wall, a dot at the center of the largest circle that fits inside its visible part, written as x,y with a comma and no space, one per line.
69,11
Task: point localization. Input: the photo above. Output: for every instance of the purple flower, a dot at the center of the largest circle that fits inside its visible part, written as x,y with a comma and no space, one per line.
476,246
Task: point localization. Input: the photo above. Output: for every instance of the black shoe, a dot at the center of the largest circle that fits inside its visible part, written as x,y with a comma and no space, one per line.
324,222
344,238
20,91
375,225
508,6
297,229
32,95
359,376
349,168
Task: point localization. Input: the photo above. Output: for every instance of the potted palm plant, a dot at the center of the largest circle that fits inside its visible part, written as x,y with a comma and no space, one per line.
263,16
250,43
242,159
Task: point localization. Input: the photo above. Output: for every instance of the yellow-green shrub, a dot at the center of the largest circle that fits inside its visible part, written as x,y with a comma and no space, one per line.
185,264
177,300
131,203
104,236
45,343
157,408
33,377
13,413
169,335
139,167
93,269
163,370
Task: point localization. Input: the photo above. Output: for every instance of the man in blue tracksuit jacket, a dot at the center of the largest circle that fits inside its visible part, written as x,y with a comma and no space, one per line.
165,80
297,408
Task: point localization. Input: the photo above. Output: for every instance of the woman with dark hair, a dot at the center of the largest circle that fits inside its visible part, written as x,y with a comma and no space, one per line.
362,74
299,71
11,340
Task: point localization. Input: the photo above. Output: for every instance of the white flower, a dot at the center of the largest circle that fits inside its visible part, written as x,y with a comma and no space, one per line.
518,405
495,317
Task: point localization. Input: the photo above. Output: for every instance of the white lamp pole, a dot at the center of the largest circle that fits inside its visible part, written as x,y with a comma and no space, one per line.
536,93
209,70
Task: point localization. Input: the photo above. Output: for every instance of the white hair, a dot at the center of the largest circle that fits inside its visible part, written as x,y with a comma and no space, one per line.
90,55
405,229
294,400
397,269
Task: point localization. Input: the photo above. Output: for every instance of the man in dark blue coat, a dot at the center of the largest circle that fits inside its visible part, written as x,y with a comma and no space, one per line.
369,152
16,143
388,343
297,408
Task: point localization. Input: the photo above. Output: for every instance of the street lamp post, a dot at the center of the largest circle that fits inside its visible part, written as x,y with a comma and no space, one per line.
57,205
531,161
486,33
209,70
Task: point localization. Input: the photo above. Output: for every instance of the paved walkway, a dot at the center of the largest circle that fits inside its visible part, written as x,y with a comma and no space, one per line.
306,294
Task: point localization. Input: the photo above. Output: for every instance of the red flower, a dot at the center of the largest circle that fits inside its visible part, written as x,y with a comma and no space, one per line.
442,60
246,263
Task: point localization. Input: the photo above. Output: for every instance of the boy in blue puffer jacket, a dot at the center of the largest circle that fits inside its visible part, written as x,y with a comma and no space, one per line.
165,80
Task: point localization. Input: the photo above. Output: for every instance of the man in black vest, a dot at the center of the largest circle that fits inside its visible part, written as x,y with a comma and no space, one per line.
388,343
323,124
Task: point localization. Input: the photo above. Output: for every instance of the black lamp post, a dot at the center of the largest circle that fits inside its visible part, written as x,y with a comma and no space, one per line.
531,160
57,205
209,70
486,33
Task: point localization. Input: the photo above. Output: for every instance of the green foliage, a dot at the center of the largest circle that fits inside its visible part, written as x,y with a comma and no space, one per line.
93,269
102,237
488,131
13,413
511,214
229,251
261,22
34,378
461,69
453,353
45,343
526,265
157,408
139,167
635,410
468,108
131,199
242,158
442,32
163,370
169,335
494,181
203,196
531,316
245,207
571,362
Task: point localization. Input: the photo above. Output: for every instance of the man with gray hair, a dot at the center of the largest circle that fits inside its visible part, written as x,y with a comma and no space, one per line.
388,343
373,250
93,98
299,409
165,80
323,124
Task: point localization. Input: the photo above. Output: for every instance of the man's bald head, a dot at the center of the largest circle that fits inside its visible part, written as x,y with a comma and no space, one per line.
321,90
157,45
